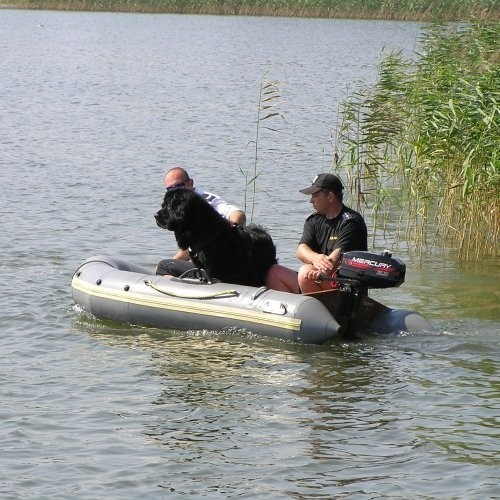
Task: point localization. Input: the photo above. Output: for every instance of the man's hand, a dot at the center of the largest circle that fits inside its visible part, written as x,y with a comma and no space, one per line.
323,264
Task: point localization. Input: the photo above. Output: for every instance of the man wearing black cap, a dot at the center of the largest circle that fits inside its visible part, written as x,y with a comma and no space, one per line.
332,230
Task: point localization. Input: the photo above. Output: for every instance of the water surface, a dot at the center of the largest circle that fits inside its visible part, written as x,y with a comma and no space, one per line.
94,108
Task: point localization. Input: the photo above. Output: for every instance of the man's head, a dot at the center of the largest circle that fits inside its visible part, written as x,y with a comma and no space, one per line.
324,182
177,178
326,193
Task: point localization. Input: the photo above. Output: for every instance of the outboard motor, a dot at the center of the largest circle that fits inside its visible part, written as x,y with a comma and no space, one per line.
360,271
370,270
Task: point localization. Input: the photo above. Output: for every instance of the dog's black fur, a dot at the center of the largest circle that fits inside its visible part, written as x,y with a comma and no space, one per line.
229,253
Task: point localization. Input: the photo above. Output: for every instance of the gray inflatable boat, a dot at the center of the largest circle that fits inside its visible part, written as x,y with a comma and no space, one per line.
110,288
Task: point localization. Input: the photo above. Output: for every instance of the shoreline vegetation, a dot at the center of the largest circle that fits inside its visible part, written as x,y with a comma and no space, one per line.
423,142
401,10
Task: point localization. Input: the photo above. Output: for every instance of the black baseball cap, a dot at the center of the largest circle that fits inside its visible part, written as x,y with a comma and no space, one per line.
330,182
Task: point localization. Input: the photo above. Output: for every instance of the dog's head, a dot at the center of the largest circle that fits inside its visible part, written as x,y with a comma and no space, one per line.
165,217
187,214
177,209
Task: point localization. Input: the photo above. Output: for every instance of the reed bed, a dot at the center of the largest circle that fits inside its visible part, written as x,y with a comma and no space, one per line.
424,141
416,10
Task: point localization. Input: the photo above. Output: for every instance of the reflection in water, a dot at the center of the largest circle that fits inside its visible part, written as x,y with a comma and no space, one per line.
335,416
225,404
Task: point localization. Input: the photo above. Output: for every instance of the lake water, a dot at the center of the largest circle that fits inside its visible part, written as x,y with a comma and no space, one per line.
94,108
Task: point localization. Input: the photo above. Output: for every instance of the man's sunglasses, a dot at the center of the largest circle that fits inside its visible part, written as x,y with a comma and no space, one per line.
179,185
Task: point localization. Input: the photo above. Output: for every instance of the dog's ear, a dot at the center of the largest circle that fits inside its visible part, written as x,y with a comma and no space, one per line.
185,207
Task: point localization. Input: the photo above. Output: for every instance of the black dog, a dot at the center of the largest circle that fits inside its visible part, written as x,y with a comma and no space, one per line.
229,253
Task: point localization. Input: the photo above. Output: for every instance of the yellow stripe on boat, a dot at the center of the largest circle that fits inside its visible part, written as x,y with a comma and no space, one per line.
188,306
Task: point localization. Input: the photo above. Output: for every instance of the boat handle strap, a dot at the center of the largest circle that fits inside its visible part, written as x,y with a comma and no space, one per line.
223,293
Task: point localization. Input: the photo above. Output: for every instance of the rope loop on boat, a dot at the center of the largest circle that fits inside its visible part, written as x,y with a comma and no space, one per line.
223,293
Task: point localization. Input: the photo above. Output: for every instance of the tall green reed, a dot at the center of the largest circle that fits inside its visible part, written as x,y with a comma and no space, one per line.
424,141
268,112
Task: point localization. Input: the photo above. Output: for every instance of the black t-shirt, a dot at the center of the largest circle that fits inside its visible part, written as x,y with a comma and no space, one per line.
346,231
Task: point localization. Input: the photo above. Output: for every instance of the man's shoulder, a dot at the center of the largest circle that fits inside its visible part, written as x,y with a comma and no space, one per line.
207,195
350,214
315,217
221,205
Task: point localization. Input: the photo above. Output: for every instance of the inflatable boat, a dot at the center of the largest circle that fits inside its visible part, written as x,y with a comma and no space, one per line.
111,289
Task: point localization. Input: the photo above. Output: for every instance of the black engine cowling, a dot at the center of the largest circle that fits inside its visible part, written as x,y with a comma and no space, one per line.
371,270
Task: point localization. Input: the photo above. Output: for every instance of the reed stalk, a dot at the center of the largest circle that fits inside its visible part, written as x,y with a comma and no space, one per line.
268,112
